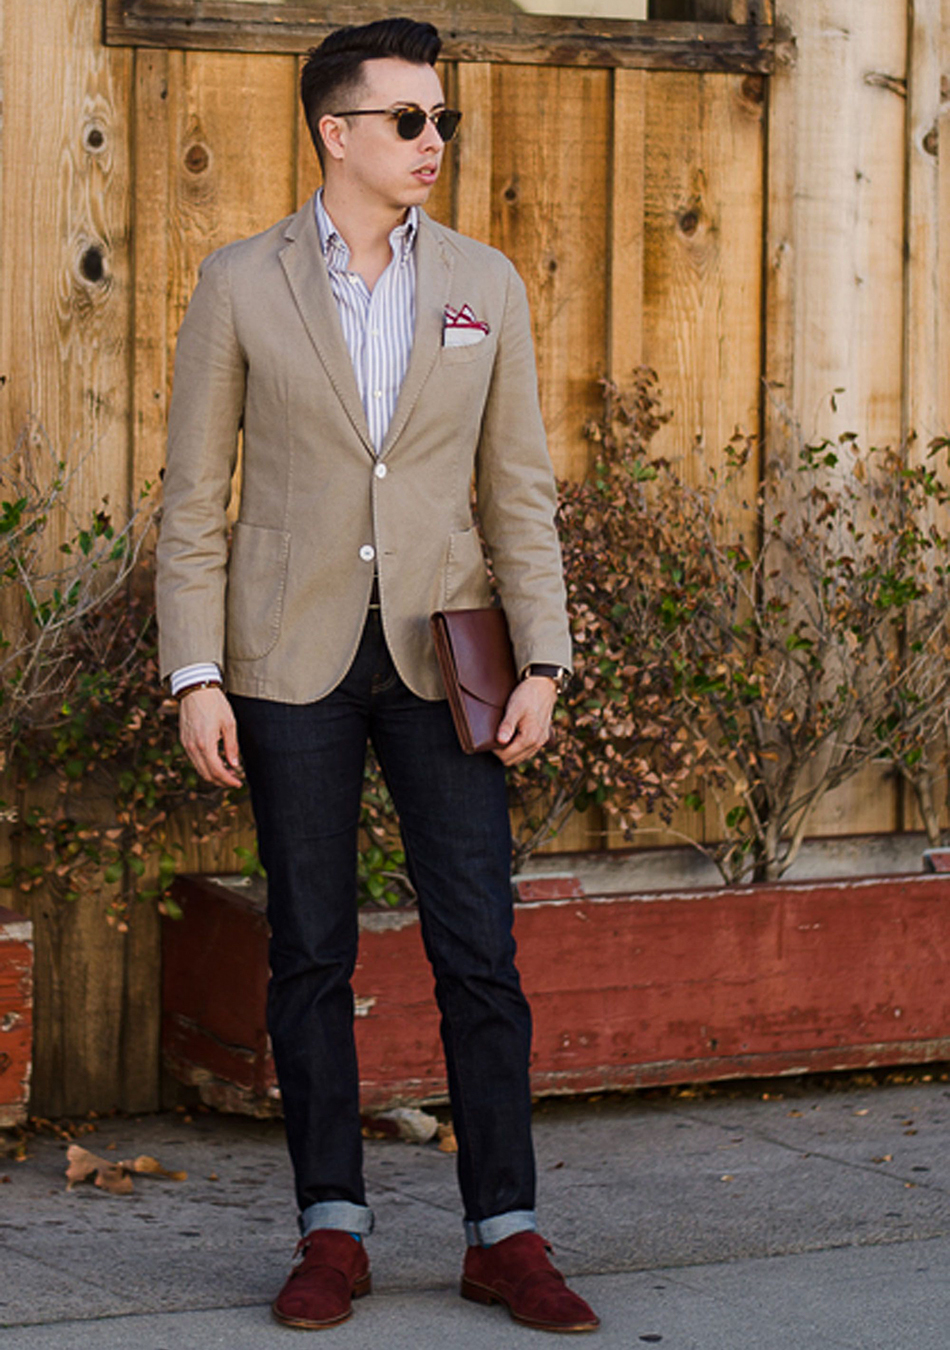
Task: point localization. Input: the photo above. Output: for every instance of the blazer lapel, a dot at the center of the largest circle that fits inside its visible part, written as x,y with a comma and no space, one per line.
433,275
305,267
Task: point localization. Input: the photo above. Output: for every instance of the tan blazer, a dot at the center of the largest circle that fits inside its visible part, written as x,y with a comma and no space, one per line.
262,344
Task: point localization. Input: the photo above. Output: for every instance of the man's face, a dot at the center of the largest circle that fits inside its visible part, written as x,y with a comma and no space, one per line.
370,150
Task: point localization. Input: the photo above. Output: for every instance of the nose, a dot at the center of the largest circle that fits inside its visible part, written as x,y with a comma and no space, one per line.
430,137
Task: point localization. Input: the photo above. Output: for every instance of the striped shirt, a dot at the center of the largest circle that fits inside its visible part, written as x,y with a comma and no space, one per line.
378,325
378,328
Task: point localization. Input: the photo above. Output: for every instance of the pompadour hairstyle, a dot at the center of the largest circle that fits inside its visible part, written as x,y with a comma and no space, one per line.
332,71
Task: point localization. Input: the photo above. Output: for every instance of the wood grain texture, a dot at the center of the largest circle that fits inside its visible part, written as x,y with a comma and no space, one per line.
835,310
151,377
496,35
626,252
926,403
473,190
66,353
549,198
926,397
701,311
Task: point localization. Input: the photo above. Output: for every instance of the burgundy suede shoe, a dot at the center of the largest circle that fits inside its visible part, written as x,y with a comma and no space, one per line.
517,1272
330,1268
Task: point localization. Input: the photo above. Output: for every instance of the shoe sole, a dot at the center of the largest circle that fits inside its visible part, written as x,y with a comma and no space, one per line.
481,1293
362,1286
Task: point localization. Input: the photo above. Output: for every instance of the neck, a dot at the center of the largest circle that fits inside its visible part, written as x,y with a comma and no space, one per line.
365,222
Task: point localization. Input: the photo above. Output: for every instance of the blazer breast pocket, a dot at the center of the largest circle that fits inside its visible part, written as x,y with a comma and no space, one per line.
462,355
257,579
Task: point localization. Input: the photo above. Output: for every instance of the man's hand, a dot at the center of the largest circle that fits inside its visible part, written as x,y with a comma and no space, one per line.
204,720
527,720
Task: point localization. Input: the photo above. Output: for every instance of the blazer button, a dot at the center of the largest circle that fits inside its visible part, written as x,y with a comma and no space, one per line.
380,471
367,553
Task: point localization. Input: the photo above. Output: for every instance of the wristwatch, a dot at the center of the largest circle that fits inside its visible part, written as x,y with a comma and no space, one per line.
556,673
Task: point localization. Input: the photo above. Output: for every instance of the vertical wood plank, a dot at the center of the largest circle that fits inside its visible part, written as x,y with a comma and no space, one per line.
703,232
233,162
473,194
549,200
835,270
628,173
925,400
151,377
65,353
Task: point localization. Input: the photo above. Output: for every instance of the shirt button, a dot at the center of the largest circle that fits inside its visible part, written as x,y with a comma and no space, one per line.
367,553
377,393
380,471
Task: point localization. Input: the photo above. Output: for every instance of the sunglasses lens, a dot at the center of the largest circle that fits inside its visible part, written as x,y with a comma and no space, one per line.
410,123
446,124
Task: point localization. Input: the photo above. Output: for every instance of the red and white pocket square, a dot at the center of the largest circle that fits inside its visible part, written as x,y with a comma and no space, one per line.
460,327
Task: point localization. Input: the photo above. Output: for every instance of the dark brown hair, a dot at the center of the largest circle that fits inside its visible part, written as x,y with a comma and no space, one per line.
333,70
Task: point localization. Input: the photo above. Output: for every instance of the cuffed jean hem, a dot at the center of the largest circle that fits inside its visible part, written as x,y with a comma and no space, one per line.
484,1232
341,1214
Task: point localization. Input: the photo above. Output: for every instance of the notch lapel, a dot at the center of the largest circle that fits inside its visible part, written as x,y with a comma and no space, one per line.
433,275
305,268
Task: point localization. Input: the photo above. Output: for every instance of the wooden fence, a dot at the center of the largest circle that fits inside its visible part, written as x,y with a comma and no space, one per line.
752,210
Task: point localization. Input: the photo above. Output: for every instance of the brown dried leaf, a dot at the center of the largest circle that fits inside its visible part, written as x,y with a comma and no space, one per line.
81,1165
113,1178
143,1163
447,1141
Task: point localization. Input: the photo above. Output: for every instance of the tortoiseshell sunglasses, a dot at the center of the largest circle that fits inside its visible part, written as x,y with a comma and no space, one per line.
411,119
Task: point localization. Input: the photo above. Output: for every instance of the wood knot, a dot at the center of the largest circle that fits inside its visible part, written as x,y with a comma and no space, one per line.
510,193
94,138
689,222
931,141
753,88
197,158
92,264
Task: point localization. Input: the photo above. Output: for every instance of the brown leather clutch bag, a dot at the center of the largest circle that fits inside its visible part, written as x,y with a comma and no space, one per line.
478,669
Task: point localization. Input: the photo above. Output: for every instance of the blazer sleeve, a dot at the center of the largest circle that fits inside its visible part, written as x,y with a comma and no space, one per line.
205,414
517,496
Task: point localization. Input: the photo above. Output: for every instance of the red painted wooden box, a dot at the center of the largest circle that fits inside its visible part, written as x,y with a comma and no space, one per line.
626,990
16,1015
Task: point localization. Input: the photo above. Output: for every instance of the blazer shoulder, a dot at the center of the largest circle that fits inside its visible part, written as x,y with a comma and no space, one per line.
251,251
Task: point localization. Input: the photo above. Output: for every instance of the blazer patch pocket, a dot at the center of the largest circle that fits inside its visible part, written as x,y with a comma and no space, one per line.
257,578
465,354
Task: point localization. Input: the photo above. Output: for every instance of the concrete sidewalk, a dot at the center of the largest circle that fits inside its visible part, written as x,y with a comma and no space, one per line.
817,1216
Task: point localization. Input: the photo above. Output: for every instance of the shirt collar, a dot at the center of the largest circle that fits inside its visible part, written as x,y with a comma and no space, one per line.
402,237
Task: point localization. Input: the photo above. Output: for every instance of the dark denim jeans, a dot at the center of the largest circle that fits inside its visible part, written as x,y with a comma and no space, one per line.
304,765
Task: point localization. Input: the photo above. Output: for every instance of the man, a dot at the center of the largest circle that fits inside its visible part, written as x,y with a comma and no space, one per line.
376,361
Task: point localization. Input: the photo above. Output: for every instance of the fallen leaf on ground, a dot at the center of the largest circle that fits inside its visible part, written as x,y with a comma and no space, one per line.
143,1163
114,1177
447,1141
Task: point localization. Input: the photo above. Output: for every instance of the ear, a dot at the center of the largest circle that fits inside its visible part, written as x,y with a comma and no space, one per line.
333,131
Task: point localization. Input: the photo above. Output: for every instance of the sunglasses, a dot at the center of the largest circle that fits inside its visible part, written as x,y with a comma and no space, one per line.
411,120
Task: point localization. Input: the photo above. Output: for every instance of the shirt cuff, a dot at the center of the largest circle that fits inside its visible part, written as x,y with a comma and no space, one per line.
202,670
